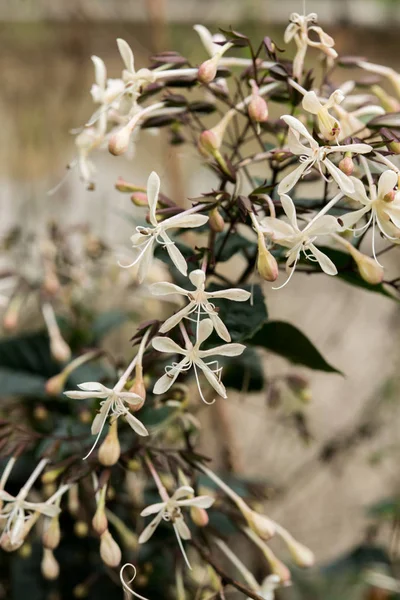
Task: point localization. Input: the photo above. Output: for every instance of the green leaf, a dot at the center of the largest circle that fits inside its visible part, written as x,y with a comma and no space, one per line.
288,341
21,383
245,372
389,508
242,319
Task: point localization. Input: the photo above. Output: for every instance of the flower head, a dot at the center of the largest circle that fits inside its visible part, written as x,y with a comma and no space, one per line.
313,154
383,204
171,510
193,357
115,403
297,240
328,125
199,302
145,237
298,30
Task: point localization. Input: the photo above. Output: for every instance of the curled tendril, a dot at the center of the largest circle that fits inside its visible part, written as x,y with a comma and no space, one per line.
125,584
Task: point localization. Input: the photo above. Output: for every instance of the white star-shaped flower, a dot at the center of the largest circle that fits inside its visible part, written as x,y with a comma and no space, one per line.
199,302
297,240
171,510
145,237
193,357
115,403
315,155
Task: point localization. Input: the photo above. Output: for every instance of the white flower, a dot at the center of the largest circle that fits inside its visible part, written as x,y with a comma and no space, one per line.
328,125
193,356
105,91
289,235
383,204
199,302
315,155
16,510
113,403
134,79
145,238
170,510
298,29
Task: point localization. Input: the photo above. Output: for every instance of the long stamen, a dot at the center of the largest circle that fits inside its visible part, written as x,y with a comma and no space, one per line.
138,258
182,549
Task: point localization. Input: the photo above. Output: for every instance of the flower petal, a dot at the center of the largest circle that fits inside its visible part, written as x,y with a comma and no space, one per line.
224,350
153,189
311,103
277,229
126,55
324,261
153,509
298,126
165,344
184,220
164,383
344,182
387,181
220,327
94,386
199,501
350,219
145,261
204,331
182,529
136,425
290,180
101,417
176,318
212,378
175,255
290,210
235,294
100,72
164,288
197,277
150,529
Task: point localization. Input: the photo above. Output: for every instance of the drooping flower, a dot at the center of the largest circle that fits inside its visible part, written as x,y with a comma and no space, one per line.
171,510
298,30
114,402
297,240
193,357
145,237
315,155
199,302
17,511
328,125
383,204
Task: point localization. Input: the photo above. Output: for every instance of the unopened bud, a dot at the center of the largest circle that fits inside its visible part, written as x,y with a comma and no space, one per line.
346,165
301,555
110,552
258,109
138,386
59,348
49,566
52,475
85,416
99,521
25,551
80,591
199,516
73,499
81,529
110,449
139,199
266,262
40,412
119,141
367,267
124,186
208,143
208,69
51,536
55,385
216,221
260,524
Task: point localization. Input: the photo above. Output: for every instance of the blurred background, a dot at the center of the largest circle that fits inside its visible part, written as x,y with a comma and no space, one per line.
325,480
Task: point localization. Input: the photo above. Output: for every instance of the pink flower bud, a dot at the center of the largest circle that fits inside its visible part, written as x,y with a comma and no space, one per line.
124,186
139,199
110,450
258,109
49,566
346,165
208,143
55,385
110,552
208,70
119,141
138,386
266,262
199,516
